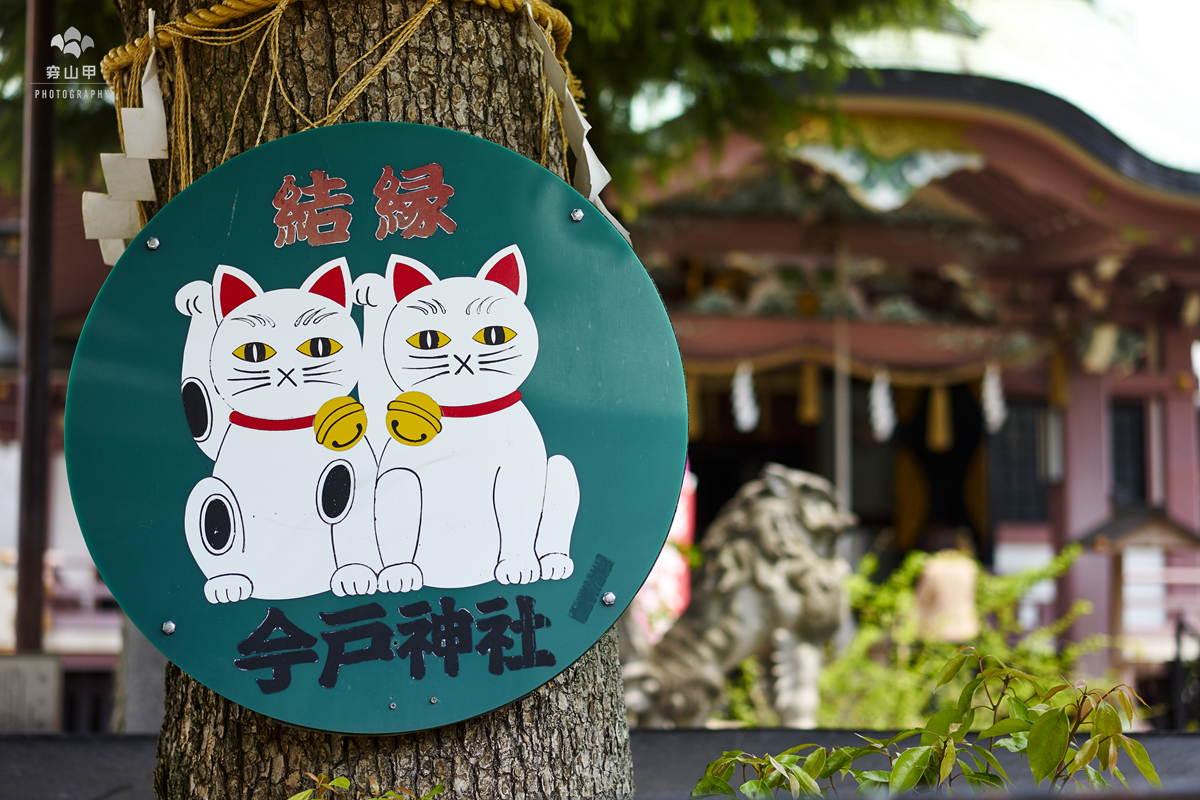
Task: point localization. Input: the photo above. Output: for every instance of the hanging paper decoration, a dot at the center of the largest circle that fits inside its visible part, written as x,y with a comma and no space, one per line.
995,411
808,404
745,404
695,410
883,413
939,435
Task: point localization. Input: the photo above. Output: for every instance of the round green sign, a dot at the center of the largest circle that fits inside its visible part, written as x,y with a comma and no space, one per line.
376,428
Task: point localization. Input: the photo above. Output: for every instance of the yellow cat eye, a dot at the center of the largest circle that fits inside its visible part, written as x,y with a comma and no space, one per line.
428,340
254,352
495,334
319,347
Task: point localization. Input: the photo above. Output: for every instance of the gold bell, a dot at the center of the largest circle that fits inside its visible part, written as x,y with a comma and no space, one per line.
414,418
340,423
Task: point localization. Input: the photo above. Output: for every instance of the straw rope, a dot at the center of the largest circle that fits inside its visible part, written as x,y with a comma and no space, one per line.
206,26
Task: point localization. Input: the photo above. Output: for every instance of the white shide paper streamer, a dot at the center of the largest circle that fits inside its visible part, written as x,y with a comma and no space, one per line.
883,412
995,411
745,404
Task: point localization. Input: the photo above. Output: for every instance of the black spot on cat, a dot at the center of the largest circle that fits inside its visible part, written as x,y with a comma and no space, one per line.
218,525
195,408
336,491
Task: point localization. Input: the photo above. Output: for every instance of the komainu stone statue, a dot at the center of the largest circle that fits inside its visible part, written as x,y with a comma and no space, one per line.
770,585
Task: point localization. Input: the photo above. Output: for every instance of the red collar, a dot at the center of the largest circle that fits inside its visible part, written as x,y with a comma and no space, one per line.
479,409
254,423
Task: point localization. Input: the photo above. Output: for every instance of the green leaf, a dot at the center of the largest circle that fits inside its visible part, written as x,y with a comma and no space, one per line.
964,727
1048,742
1095,779
1053,691
908,768
1140,759
1105,721
1084,756
713,787
1120,777
991,760
1005,726
1126,703
939,724
837,759
982,780
1017,709
871,789
948,759
968,695
1017,743
872,775
807,782
951,669
815,762
307,793
434,792
341,783
756,790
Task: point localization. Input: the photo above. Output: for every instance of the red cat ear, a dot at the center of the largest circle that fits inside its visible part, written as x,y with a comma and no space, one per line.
231,288
406,275
507,268
332,281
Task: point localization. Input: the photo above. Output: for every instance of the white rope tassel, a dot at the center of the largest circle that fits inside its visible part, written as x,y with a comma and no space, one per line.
883,412
745,404
995,411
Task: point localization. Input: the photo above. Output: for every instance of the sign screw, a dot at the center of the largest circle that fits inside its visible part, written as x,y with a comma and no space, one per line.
608,598
392,706
433,700
152,243
168,627
577,215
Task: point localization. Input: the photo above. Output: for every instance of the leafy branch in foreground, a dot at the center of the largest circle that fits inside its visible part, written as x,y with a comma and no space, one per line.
1044,727
327,788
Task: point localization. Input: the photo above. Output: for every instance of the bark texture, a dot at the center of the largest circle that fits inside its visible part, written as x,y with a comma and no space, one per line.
568,739
472,69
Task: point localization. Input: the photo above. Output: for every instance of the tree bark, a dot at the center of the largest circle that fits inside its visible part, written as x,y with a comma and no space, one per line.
472,69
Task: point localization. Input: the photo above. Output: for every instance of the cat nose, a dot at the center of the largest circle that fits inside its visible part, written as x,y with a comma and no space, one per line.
287,376
464,365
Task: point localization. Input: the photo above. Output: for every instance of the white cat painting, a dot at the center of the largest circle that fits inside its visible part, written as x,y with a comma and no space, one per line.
465,494
287,511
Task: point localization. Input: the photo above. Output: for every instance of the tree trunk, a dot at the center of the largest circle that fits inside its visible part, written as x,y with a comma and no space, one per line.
469,68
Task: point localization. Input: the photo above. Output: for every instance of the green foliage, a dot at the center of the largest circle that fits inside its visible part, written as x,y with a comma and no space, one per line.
746,698
1046,718
336,786
743,65
886,677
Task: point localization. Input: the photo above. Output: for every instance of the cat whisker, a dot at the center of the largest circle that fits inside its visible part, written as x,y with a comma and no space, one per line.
431,377
326,372
252,378
314,380
498,360
316,366
443,355
251,388
252,371
491,353
489,369
430,366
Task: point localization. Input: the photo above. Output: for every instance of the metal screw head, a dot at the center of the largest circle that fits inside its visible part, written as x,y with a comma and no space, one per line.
168,627
152,243
392,706
608,598
577,215
433,700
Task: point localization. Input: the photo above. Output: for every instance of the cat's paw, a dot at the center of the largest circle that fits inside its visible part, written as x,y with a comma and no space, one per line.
228,588
401,578
353,580
194,299
370,290
556,566
518,570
